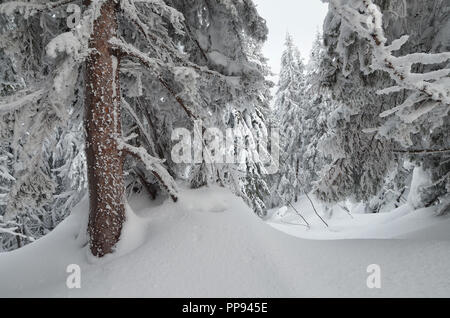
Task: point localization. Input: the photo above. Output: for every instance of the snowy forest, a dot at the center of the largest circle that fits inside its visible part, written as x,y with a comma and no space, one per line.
119,119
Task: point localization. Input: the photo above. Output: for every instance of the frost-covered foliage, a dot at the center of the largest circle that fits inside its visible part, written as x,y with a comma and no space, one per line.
369,52
42,166
33,197
302,108
210,70
314,121
395,190
179,61
288,108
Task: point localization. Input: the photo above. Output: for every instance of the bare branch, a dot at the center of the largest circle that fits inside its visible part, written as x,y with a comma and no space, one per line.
315,211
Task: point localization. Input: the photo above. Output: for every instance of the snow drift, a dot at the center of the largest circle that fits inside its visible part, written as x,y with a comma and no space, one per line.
212,245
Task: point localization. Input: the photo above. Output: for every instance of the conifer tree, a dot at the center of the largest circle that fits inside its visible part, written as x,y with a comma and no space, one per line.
317,106
408,115
139,68
289,110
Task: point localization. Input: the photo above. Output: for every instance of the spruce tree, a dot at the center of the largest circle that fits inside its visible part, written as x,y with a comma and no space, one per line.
288,109
139,68
317,106
403,111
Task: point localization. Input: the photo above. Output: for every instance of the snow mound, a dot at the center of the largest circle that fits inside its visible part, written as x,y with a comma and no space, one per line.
211,245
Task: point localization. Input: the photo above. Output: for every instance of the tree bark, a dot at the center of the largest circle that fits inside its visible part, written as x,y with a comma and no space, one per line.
102,123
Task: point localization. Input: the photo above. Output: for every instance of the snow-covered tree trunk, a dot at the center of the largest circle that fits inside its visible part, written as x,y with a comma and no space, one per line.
102,122
176,58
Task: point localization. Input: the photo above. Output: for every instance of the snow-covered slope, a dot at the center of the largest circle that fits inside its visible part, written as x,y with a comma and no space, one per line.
211,245
402,223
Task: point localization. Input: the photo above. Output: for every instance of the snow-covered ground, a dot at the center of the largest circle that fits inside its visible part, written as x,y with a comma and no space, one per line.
402,223
211,245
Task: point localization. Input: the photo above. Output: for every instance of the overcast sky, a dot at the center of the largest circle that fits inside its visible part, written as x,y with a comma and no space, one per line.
301,18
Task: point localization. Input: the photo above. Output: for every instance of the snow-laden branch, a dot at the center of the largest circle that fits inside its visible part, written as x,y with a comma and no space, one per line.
28,9
4,172
152,164
175,17
67,43
10,228
75,43
367,20
19,100
132,13
129,50
153,65
12,231
144,131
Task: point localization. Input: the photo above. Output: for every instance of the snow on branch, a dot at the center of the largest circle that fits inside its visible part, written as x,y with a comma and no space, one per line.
10,228
366,19
129,50
64,43
152,164
175,17
28,9
132,13
12,231
153,65
138,122
75,43
4,172
19,100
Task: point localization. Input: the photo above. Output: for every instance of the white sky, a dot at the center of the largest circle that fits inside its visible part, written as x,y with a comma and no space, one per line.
301,18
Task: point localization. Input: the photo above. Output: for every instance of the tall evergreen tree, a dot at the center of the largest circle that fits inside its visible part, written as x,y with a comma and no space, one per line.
371,130
314,125
146,67
359,160
288,110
